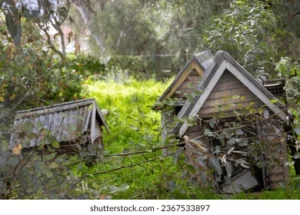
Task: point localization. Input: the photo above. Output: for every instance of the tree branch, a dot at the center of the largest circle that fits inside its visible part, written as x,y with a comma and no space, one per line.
111,170
294,15
14,107
49,41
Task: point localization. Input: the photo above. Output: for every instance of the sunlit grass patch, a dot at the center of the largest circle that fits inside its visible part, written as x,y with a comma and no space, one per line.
130,119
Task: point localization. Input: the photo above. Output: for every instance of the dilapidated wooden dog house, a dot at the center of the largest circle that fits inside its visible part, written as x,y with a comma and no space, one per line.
229,121
71,124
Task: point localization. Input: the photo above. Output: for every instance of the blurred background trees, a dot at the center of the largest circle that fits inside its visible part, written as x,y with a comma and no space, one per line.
50,48
154,38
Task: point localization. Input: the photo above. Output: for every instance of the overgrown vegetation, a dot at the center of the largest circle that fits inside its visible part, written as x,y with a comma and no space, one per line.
133,46
166,177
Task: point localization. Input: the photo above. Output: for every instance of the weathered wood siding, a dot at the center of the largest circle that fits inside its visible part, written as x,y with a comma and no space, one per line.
167,116
188,85
97,133
191,69
228,95
275,152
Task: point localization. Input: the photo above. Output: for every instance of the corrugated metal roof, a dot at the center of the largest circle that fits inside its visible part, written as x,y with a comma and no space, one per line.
61,122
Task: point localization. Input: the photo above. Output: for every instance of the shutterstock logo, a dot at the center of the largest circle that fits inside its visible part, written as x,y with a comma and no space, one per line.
121,208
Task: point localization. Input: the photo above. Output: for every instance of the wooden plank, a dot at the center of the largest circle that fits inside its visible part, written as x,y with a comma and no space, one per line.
93,121
227,93
184,75
275,153
194,128
256,91
217,98
228,88
178,95
186,90
196,67
204,96
52,109
230,104
194,73
275,185
228,79
210,112
189,83
228,98
229,85
277,178
285,160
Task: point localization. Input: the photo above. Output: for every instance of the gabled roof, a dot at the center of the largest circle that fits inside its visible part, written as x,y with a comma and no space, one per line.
201,60
224,62
62,122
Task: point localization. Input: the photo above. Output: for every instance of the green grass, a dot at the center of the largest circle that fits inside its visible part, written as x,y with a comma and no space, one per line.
135,127
131,120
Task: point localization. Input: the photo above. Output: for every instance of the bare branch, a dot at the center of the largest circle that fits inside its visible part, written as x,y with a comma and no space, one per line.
14,107
49,41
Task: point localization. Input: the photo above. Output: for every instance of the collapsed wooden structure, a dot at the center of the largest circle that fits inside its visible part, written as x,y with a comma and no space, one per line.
229,121
72,124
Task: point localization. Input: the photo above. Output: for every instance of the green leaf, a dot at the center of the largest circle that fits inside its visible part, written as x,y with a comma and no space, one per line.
216,165
238,140
235,97
243,143
190,98
55,144
124,186
47,172
114,189
49,157
228,133
274,101
40,147
13,160
229,168
296,156
297,130
73,128
239,132
53,165
51,150
208,133
231,141
191,169
90,107
4,146
134,128
217,150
